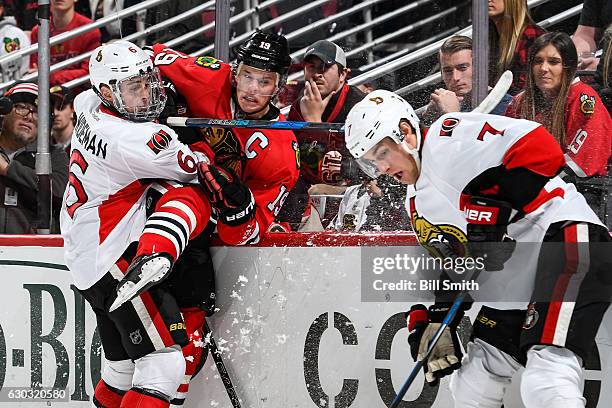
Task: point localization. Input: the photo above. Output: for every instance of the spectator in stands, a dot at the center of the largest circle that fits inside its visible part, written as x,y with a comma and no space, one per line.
571,111
64,18
596,16
511,33
18,179
104,8
603,76
12,39
24,12
63,117
373,205
456,68
326,98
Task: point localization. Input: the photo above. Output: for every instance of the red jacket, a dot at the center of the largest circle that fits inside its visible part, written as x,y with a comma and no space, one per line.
588,140
68,49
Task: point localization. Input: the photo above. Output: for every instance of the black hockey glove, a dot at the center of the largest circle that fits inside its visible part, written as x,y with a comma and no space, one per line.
227,193
488,221
177,106
423,325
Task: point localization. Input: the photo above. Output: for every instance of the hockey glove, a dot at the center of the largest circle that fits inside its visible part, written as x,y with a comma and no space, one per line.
446,355
488,221
227,193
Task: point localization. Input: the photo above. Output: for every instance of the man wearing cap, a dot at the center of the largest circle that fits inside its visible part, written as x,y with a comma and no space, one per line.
326,98
63,116
18,179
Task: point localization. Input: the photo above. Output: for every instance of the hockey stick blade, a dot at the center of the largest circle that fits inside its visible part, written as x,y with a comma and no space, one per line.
223,373
419,364
255,124
497,93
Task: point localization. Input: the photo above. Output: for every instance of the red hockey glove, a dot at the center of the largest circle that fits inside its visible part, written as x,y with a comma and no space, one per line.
227,193
488,221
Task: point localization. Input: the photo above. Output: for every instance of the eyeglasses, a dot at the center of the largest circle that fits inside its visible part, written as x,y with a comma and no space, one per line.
24,110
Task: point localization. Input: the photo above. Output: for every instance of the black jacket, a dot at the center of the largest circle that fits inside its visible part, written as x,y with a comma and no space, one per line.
19,189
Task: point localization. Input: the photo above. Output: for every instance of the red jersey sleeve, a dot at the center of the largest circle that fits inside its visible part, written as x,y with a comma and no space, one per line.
537,151
587,132
205,82
271,171
33,40
512,111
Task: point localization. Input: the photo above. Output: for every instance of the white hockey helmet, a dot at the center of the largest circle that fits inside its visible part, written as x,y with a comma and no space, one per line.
118,63
372,119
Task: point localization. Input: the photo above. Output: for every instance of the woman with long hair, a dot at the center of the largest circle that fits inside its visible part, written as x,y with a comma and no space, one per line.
511,33
571,111
603,75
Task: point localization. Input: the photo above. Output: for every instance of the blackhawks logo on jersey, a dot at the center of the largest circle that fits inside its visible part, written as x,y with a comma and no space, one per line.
159,141
587,104
227,148
11,44
442,240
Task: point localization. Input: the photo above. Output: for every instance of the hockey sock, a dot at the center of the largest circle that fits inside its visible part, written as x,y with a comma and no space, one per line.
106,396
180,215
194,324
140,398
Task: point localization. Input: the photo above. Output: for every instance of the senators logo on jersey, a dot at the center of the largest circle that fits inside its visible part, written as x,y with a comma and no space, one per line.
442,240
159,141
296,149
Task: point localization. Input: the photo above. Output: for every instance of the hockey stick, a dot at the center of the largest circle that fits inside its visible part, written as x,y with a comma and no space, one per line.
497,93
255,124
223,373
486,106
419,365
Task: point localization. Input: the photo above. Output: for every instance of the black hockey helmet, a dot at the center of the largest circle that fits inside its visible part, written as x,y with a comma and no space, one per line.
266,51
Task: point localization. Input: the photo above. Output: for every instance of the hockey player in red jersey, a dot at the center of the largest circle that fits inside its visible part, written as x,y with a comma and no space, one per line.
481,179
115,231
263,164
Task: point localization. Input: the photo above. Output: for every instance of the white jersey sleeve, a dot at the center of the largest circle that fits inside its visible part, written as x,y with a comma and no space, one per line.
113,162
460,149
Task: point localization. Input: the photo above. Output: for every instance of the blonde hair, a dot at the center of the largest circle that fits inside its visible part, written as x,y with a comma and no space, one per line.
513,22
553,111
607,57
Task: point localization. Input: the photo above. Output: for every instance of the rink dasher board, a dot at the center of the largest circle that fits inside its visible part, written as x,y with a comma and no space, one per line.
291,324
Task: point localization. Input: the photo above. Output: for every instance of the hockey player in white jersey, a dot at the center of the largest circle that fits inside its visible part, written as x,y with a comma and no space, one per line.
480,179
118,154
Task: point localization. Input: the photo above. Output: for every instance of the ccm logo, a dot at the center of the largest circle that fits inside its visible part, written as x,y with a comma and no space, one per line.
475,215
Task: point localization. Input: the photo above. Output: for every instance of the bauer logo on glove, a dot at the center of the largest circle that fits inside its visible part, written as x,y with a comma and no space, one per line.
227,193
